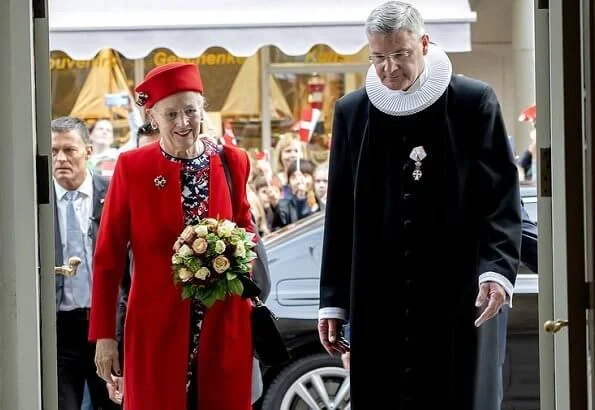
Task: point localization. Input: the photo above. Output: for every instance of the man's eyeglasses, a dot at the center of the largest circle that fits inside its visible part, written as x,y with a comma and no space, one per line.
399,57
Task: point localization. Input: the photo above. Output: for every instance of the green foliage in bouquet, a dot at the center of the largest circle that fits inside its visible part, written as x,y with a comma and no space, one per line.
209,257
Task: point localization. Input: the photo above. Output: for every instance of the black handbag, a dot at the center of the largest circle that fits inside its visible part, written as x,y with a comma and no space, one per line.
269,347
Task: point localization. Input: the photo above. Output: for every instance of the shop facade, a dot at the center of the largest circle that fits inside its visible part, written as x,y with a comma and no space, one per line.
263,62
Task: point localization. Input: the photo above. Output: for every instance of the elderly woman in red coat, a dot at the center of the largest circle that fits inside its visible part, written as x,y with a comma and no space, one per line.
178,354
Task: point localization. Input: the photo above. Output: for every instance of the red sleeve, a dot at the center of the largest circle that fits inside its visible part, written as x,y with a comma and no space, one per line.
243,216
109,260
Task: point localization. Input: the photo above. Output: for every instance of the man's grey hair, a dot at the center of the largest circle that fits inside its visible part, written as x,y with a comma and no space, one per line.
394,16
67,124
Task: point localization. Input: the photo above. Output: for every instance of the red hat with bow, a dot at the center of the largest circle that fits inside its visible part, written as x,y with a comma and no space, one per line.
168,79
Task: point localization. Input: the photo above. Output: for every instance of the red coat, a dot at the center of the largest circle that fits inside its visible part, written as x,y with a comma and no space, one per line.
157,321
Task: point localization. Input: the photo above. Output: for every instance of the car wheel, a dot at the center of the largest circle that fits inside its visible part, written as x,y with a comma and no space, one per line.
317,382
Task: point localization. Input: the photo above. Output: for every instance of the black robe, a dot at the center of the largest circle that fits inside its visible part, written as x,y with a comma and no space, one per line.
403,257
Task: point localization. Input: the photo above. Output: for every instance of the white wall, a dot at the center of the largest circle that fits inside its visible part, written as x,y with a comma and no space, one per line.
492,60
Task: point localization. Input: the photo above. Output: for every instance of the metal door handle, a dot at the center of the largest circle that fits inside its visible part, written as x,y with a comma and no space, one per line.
554,326
70,270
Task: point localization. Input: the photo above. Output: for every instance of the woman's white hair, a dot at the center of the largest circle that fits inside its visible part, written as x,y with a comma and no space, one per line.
207,127
394,16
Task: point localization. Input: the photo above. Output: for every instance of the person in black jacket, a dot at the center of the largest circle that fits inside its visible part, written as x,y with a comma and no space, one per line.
422,214
300,200
529,242
528,258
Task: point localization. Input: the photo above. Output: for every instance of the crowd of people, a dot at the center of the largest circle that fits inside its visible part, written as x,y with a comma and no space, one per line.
289,189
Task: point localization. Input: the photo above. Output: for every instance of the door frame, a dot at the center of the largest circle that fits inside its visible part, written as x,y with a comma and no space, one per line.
589,167
572,72
47,287
547,380
564,170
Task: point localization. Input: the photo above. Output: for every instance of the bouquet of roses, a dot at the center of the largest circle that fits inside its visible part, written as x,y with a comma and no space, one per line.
211,260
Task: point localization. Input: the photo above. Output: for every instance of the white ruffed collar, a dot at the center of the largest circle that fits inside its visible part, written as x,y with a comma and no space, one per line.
425,91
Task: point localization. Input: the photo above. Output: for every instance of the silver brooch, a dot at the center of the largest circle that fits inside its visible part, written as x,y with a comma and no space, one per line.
417,155
160,182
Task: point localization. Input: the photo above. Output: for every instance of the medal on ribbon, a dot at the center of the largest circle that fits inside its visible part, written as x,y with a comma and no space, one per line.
417,154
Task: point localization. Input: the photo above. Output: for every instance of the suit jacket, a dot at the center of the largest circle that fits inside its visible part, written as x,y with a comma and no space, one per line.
529,242
100,185
150,218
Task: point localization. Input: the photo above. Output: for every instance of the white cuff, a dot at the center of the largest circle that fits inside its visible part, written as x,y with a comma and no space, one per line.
501,280
332,313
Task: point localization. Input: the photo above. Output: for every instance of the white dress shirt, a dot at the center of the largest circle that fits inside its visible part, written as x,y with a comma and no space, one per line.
83,208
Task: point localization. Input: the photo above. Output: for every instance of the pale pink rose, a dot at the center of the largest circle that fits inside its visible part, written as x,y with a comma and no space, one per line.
200,246
201,231
184,274
211,224
185,250
220,247
221,264
187,234
177,245
202,273
240,250
225,229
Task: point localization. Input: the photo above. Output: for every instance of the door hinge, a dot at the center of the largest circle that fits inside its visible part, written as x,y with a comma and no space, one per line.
543,4
545,172
39,9
42,165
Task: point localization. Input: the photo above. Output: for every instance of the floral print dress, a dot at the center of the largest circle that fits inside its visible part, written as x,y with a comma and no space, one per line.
195,203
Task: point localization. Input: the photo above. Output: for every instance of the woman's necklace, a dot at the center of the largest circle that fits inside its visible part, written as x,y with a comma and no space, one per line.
199,147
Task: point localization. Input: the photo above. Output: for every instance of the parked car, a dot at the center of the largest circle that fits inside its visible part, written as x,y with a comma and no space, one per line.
315,380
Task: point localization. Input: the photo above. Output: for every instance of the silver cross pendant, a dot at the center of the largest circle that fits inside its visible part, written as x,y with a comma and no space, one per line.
417,174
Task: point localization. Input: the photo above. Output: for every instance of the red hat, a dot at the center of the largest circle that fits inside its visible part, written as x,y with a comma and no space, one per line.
166,80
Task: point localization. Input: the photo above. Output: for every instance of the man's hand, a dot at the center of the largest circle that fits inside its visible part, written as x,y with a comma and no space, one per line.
328,333
116,389
106,359
492,295
346,359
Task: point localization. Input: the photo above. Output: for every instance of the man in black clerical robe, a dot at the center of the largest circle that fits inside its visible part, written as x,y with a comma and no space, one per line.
423,227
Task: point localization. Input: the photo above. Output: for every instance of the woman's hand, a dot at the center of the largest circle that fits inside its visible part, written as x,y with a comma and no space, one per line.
116,389
107,359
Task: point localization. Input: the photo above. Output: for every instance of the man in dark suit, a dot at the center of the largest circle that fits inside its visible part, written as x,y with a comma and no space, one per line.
423,224
529,259
79,200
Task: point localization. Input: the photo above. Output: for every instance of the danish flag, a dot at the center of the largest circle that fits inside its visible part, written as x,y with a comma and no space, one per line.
529,114
228,137
262,155
310,117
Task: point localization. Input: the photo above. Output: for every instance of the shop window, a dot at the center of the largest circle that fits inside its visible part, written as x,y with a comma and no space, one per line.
319,54
78,88
232,89
218,70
